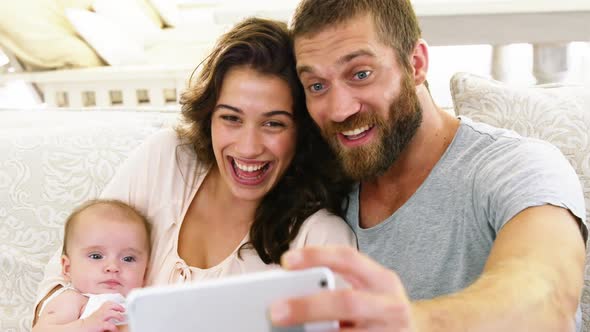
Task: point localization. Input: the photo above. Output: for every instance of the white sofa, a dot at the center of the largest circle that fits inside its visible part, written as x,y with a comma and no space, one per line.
54,160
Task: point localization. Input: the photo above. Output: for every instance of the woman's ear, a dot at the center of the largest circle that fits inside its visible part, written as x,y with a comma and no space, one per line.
65,267
419,61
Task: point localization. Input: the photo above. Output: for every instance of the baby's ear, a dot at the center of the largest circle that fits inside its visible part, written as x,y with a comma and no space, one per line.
65,267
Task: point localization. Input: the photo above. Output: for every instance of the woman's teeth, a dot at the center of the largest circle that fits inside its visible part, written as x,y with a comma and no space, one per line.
249,168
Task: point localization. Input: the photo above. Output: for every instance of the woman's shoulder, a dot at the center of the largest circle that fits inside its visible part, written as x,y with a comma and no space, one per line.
163,138
322,228
165,146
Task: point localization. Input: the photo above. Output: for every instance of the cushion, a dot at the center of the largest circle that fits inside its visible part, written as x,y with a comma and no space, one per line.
39,34
112,42
168,11
152,13
130,15
80,4
557,113
53,161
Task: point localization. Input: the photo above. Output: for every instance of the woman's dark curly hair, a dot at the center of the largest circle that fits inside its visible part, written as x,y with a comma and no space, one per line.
313,179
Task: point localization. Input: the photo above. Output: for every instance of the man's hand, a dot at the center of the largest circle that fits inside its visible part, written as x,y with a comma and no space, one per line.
103,319
377,300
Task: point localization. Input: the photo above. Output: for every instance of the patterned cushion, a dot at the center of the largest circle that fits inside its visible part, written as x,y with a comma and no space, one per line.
559,114
52,161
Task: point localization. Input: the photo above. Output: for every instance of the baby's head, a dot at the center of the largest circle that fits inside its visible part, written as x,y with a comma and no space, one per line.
106,248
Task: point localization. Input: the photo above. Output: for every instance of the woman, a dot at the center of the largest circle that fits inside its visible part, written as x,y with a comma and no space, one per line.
245,177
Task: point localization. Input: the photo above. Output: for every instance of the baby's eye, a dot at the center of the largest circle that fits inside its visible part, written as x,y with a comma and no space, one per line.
129,259
362,75
95,256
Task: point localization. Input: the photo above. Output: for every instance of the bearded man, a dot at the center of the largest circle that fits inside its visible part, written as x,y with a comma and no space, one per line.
461,226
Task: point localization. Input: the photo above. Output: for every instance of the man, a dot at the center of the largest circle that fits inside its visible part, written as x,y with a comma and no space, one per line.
468,227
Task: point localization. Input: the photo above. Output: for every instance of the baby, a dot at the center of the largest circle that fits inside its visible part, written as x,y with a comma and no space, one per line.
105,255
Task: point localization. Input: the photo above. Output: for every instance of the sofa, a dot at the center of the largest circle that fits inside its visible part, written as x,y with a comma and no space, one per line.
53,160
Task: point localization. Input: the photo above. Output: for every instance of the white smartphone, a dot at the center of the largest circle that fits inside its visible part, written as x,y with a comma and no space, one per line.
237,303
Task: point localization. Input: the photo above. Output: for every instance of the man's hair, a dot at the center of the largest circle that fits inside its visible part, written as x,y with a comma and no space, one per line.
395,21
129,212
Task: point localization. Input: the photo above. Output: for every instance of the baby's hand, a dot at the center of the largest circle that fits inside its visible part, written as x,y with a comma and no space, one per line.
104,318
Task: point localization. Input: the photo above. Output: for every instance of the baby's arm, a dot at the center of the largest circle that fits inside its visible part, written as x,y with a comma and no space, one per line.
62,314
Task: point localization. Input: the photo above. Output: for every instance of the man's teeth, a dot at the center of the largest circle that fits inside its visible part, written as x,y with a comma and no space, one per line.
249,168
356,131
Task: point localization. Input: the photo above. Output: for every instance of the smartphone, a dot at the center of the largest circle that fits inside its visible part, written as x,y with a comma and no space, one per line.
232,304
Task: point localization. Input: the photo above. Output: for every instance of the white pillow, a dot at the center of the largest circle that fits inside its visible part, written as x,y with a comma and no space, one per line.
168,10
129,15
39,34
109,40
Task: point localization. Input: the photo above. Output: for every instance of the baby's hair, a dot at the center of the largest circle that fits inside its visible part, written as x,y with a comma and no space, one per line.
125,208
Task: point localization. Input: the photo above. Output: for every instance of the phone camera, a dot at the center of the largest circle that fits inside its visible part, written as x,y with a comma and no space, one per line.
323,283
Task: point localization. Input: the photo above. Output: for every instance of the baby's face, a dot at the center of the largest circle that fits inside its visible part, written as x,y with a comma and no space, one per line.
106,254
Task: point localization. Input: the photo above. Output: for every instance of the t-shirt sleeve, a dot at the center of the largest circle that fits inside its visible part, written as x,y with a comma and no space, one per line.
324,228
526,173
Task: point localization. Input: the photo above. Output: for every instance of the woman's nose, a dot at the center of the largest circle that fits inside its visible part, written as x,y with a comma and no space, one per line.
250,143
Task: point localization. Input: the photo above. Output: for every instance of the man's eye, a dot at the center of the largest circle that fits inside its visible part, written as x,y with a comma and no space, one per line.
316,87
129,259
361,75
95,256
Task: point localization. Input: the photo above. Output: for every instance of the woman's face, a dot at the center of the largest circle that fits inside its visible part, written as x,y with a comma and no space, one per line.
253,132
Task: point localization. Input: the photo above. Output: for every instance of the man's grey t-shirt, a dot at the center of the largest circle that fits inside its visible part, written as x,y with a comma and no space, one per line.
439,240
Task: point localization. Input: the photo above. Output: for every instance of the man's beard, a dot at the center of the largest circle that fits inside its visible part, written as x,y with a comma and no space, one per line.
371,160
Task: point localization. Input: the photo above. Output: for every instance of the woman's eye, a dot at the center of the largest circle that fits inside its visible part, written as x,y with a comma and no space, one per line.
316,87
274,124
95,256
230,118
129,259
362,75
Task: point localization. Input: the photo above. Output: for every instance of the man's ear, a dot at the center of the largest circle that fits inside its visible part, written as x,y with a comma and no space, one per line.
65,266
419,61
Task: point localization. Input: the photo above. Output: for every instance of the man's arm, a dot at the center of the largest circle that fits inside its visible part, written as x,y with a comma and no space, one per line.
532,281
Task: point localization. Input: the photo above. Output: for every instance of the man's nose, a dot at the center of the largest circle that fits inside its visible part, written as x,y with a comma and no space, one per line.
342,103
